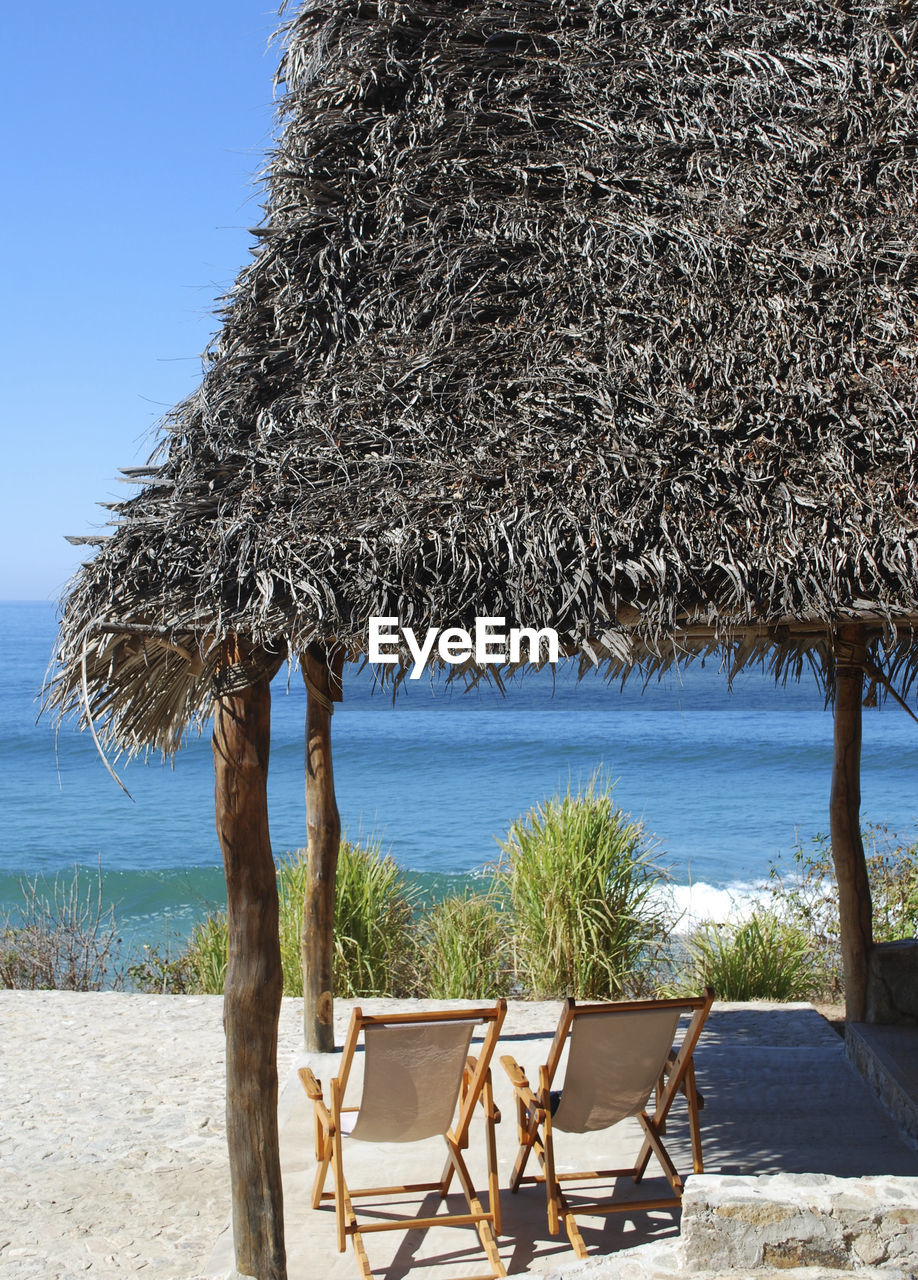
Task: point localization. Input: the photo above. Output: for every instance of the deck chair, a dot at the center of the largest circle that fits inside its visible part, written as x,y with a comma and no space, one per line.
619,1054
417,1068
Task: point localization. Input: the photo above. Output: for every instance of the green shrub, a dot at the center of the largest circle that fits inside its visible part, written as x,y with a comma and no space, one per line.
580,879
206,957
291,892
892,865
373,938
464,950
158,971
805,895
762,958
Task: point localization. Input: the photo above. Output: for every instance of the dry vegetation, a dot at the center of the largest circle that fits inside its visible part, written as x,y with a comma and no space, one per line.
587,314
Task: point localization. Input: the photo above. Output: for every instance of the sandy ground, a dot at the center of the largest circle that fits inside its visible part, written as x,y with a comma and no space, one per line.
112,1134
113,1143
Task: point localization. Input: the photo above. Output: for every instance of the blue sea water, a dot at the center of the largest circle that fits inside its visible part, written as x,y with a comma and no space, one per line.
725,780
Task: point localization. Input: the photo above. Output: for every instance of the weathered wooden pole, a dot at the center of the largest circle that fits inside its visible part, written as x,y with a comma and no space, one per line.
254,980
855,910
322,674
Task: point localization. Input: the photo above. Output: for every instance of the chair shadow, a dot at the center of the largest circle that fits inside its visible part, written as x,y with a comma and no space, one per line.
406,1258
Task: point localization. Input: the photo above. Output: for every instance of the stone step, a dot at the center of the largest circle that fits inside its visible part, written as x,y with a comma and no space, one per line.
802,1273
648,1262
887,1058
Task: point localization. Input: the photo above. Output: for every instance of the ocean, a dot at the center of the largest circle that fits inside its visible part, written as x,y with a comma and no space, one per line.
723,780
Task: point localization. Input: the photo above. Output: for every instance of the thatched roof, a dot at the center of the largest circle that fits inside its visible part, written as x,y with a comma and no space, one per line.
584,313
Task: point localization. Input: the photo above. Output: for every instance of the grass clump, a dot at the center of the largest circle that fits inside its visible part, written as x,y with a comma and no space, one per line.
762,958
374,944
791,948
374,939
464,949
206,957
580,880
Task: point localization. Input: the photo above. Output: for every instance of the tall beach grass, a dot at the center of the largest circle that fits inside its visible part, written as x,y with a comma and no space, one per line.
573,907
464,950
580,878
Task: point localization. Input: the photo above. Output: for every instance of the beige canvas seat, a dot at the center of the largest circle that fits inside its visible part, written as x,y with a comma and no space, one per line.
619,1054
419,1082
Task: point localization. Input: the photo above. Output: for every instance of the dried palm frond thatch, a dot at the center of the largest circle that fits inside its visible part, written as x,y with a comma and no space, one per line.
587,314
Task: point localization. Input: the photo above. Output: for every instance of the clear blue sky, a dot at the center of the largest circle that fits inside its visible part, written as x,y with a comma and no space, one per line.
132,138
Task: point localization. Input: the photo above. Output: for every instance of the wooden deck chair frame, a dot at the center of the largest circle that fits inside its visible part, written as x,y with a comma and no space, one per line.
534,1118
476,1087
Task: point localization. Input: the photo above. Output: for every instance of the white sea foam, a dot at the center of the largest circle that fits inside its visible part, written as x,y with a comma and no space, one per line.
695,904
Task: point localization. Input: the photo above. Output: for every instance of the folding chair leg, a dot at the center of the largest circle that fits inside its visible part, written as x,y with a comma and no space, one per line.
527,1141
643,1161
446,1178
522,1117
341,1206
353,1230
552,1191
322,1125
655,1147
483,1227
318,1185
691,1094
360,1253
652,1140
487,1097
573,1231
658,1124
488,1243
558,1209
661,1085
320,1133
491,1138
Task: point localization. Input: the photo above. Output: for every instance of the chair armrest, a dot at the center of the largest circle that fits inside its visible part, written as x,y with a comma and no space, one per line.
310,1084
520,1084
314,1093
514,1071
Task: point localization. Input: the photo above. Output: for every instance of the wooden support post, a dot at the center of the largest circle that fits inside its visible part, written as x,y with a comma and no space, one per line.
322,674
854,906
254,980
